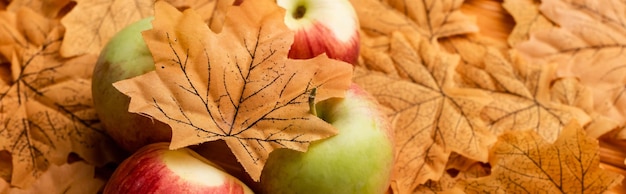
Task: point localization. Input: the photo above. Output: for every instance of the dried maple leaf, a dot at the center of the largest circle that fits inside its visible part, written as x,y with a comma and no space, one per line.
9,35
569,91
432,19
524,93
237,85
436,18
91,23
524,101
458,168
206,8
528,19
433,116
47,8
77,177
523,162
45,102
588,45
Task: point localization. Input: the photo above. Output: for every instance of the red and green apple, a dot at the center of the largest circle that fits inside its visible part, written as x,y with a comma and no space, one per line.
322,26
357,160
155,168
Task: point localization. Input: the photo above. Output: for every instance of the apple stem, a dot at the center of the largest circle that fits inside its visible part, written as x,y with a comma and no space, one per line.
300,11
312,101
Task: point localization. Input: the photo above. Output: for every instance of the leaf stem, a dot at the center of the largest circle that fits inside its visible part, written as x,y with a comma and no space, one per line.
312,101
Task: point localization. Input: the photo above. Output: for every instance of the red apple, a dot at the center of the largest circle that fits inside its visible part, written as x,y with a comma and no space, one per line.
322,26
156,169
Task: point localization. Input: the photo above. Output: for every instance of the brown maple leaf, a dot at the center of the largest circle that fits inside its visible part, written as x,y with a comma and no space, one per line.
433,116
588,45
237,85
45,102
523,162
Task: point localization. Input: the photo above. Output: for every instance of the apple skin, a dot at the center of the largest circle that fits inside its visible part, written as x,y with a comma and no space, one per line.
323,26
125,56
357,160
156,169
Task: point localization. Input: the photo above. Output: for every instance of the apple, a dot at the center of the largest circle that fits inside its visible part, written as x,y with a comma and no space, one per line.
155,168
357,160
125,56
322,26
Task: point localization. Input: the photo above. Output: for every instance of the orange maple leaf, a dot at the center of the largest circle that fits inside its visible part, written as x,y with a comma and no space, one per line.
237,85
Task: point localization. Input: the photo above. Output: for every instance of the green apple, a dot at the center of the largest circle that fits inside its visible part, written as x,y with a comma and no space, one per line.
156,169
125,56
357,160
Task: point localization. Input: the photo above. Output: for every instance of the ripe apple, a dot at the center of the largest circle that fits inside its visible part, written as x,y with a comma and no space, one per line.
329,26
125,56
357,160
156,169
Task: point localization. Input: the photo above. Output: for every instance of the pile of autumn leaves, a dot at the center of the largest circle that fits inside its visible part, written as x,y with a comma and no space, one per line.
470,113
476,115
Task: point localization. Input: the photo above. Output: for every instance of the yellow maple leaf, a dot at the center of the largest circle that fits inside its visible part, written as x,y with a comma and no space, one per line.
237,85
523,162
